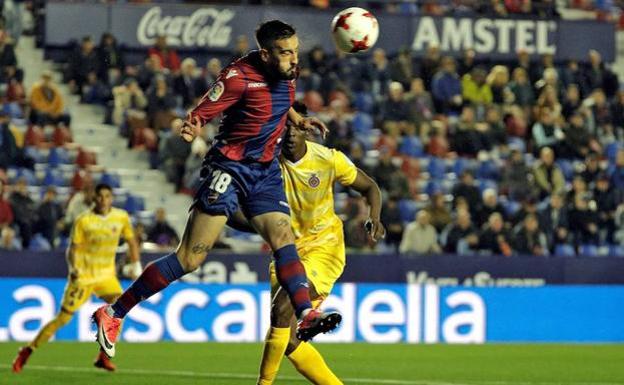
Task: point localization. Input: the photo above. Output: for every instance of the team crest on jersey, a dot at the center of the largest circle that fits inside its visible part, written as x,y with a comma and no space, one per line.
216,91
314,181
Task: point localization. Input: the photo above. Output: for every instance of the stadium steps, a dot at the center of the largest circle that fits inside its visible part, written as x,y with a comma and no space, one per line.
110,148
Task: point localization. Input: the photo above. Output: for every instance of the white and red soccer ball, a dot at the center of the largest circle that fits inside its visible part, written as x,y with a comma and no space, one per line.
355,30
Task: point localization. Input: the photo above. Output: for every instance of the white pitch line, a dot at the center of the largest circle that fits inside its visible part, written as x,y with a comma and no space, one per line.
245,376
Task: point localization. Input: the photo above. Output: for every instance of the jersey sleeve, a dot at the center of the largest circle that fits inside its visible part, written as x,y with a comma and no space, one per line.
344,169
127,230
224,92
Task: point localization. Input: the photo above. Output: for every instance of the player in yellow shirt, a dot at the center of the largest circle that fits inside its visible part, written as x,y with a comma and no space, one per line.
91,265
309,171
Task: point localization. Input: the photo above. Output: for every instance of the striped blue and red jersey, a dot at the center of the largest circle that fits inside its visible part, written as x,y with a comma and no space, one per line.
254,109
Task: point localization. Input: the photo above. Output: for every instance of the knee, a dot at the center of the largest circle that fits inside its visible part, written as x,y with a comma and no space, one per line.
63,317
281,238
293,344
281,314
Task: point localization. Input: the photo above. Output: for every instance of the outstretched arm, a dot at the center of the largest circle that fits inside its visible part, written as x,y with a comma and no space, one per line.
307,123
366,186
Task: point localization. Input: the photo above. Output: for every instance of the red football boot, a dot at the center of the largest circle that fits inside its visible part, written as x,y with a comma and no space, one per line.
316,322
107,329
22,357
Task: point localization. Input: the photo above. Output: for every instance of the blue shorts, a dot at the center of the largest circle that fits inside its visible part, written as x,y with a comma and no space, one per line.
227,185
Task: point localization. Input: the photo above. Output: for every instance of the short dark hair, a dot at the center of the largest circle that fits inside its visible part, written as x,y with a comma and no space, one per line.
272,30
103,186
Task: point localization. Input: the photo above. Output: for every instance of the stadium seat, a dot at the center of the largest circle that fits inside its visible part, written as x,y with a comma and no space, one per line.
362,123
37,155
134,204
411,146
487,170
436,168
616,251
53,177
486,184
460,165
58,156
516,143
611,150
112,180
407,209
564,251
588,251
567,168
39,243
433,187
364,102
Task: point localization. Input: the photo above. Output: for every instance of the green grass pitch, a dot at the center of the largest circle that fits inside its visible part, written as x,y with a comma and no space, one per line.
232,364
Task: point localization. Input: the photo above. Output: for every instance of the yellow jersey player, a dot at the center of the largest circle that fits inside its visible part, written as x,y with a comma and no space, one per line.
91,265
309,171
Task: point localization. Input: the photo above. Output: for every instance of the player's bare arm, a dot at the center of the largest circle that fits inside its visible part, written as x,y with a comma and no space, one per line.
366,186
133,268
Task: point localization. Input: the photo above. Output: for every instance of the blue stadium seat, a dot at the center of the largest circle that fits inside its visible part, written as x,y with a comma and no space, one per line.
112,180
487,183
616,251
611,151
460,165
134,204
39,243
411,146
487,170
53,177
58,156
27,174
564,251
34,153
362,123
364,102
407,209
588,250
436,168
433,187
511,207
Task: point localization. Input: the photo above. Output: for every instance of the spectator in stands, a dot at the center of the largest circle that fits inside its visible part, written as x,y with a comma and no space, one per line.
496,133
528,207
24,211
384,168
606,204
467,61
521,88
431,63
129,101
471,137
524,61
420,237
160,104
167,56
498,80
446,88
546,132
600,109
81,201
7,53
579,188
466,188
529,239
111,59
439,214
494,238
46,102
391,218
571,101
241,47
212,70
489,206
95,90
617,112
6,212
161,232
516,178
547,175
378,74
584,222
402,67
597,76
9,152
340,134
173,153
419,101
461,236
356,236
475,89
577,139
394,108
82,61
8,240
591,169
554,221
617,171
146,73
49,216
188,85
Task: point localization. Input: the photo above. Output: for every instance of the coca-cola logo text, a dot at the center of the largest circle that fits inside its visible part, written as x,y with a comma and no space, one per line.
206,27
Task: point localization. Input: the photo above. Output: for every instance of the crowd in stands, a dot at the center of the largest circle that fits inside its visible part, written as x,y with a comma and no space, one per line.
524,157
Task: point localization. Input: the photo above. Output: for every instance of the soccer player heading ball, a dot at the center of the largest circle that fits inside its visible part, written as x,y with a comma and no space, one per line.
241,171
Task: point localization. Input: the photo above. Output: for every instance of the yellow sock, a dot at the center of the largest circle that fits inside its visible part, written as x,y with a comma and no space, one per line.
274,348
309,362
44,335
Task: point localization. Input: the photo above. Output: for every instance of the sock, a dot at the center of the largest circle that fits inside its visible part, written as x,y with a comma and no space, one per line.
292,276
44,335
275,345
309,362
156,276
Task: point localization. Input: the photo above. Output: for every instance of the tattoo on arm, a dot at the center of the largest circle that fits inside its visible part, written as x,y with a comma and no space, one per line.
283,222
200,248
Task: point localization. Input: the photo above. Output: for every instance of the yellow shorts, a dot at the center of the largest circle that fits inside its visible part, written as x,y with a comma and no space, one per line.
76,294
323,268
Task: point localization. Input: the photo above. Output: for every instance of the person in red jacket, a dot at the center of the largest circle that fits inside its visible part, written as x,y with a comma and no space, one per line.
6,213
168,57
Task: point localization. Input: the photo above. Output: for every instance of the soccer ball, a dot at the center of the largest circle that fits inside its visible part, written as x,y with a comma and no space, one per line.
355,30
